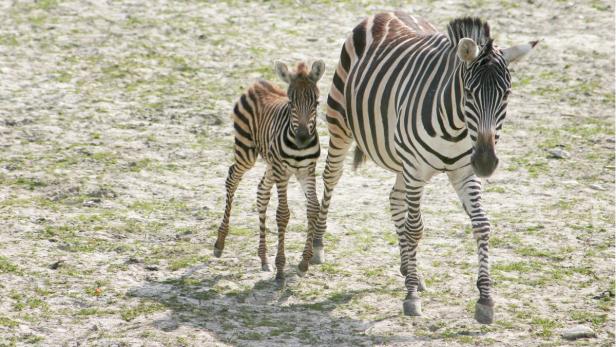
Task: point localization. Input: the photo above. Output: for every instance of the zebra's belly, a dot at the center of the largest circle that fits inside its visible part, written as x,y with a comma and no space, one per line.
374,135
392,146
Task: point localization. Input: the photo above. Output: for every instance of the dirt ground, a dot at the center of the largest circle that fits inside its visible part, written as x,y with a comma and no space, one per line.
115,141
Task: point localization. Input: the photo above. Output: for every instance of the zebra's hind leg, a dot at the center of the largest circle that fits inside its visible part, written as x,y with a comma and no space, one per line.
468,187
308,183
236,171
398,213
409,238
263,197
282,220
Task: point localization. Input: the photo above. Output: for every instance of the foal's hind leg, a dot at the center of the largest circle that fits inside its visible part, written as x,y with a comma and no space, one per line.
244,160
263,197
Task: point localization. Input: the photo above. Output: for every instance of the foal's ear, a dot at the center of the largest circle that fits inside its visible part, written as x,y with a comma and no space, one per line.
283,71
467,50
318,67
515,53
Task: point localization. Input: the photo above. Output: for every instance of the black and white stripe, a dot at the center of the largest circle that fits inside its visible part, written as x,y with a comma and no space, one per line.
281,127
418,102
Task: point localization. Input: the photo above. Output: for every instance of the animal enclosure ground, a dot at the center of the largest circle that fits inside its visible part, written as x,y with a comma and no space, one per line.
115,141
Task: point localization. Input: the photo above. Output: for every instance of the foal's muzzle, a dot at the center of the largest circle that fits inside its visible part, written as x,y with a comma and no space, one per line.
302,137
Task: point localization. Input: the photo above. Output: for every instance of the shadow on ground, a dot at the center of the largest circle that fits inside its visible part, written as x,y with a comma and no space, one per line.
266,313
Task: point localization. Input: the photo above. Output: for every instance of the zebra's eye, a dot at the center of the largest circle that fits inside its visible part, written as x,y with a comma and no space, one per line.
506,95
468,94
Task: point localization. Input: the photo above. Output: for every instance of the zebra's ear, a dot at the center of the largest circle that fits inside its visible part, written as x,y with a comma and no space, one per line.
467,50
318,67
283,71
514,53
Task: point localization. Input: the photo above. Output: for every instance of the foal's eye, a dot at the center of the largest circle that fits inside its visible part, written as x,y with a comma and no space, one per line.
506,95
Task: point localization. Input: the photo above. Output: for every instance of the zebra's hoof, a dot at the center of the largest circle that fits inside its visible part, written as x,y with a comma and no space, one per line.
318,255
484,311
280,280
303,268
265,267
217,252
412,307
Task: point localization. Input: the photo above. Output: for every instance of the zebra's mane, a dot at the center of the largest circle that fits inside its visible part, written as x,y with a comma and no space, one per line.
471,27
301,70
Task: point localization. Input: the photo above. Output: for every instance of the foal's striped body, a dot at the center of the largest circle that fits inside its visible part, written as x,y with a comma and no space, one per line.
281,127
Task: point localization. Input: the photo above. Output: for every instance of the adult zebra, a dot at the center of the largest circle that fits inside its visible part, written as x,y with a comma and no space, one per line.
419,102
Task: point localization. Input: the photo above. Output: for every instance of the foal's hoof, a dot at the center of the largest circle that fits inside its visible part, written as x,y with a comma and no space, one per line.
412,307
484,311
265,267
303,268
217,252
318,255
280,280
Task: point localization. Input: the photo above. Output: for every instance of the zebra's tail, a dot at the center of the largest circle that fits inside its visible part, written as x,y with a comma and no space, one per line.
358,158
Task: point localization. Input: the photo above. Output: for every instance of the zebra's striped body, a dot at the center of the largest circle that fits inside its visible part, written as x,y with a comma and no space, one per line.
281,127
418,102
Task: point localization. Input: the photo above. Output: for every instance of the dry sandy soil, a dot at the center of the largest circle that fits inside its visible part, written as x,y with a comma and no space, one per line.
115,141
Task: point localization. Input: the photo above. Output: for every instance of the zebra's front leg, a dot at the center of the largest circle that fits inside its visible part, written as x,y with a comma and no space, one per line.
398,214
338,148
263,197
308,183
282,220
468,187
409,237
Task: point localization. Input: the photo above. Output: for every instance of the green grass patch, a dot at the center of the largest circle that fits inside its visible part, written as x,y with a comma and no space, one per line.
589,317
144,308
7,267
334,269
187,261
94,311
544,326
6,322
556,255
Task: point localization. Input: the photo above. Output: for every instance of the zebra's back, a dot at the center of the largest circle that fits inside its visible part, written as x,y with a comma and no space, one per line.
260,112
386,83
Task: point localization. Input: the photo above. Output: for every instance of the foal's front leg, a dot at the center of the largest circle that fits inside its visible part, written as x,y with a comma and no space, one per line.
308,183
468,187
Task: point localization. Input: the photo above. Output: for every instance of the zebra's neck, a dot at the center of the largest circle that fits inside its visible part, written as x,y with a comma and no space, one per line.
450,112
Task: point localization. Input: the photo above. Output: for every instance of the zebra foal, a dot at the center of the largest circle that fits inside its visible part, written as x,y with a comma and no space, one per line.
281,127
419,102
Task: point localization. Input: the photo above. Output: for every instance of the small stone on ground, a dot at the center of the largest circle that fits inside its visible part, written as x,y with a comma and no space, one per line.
578,332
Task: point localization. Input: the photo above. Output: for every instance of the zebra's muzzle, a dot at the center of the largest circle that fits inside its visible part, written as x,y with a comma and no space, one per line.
484,160
302,137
